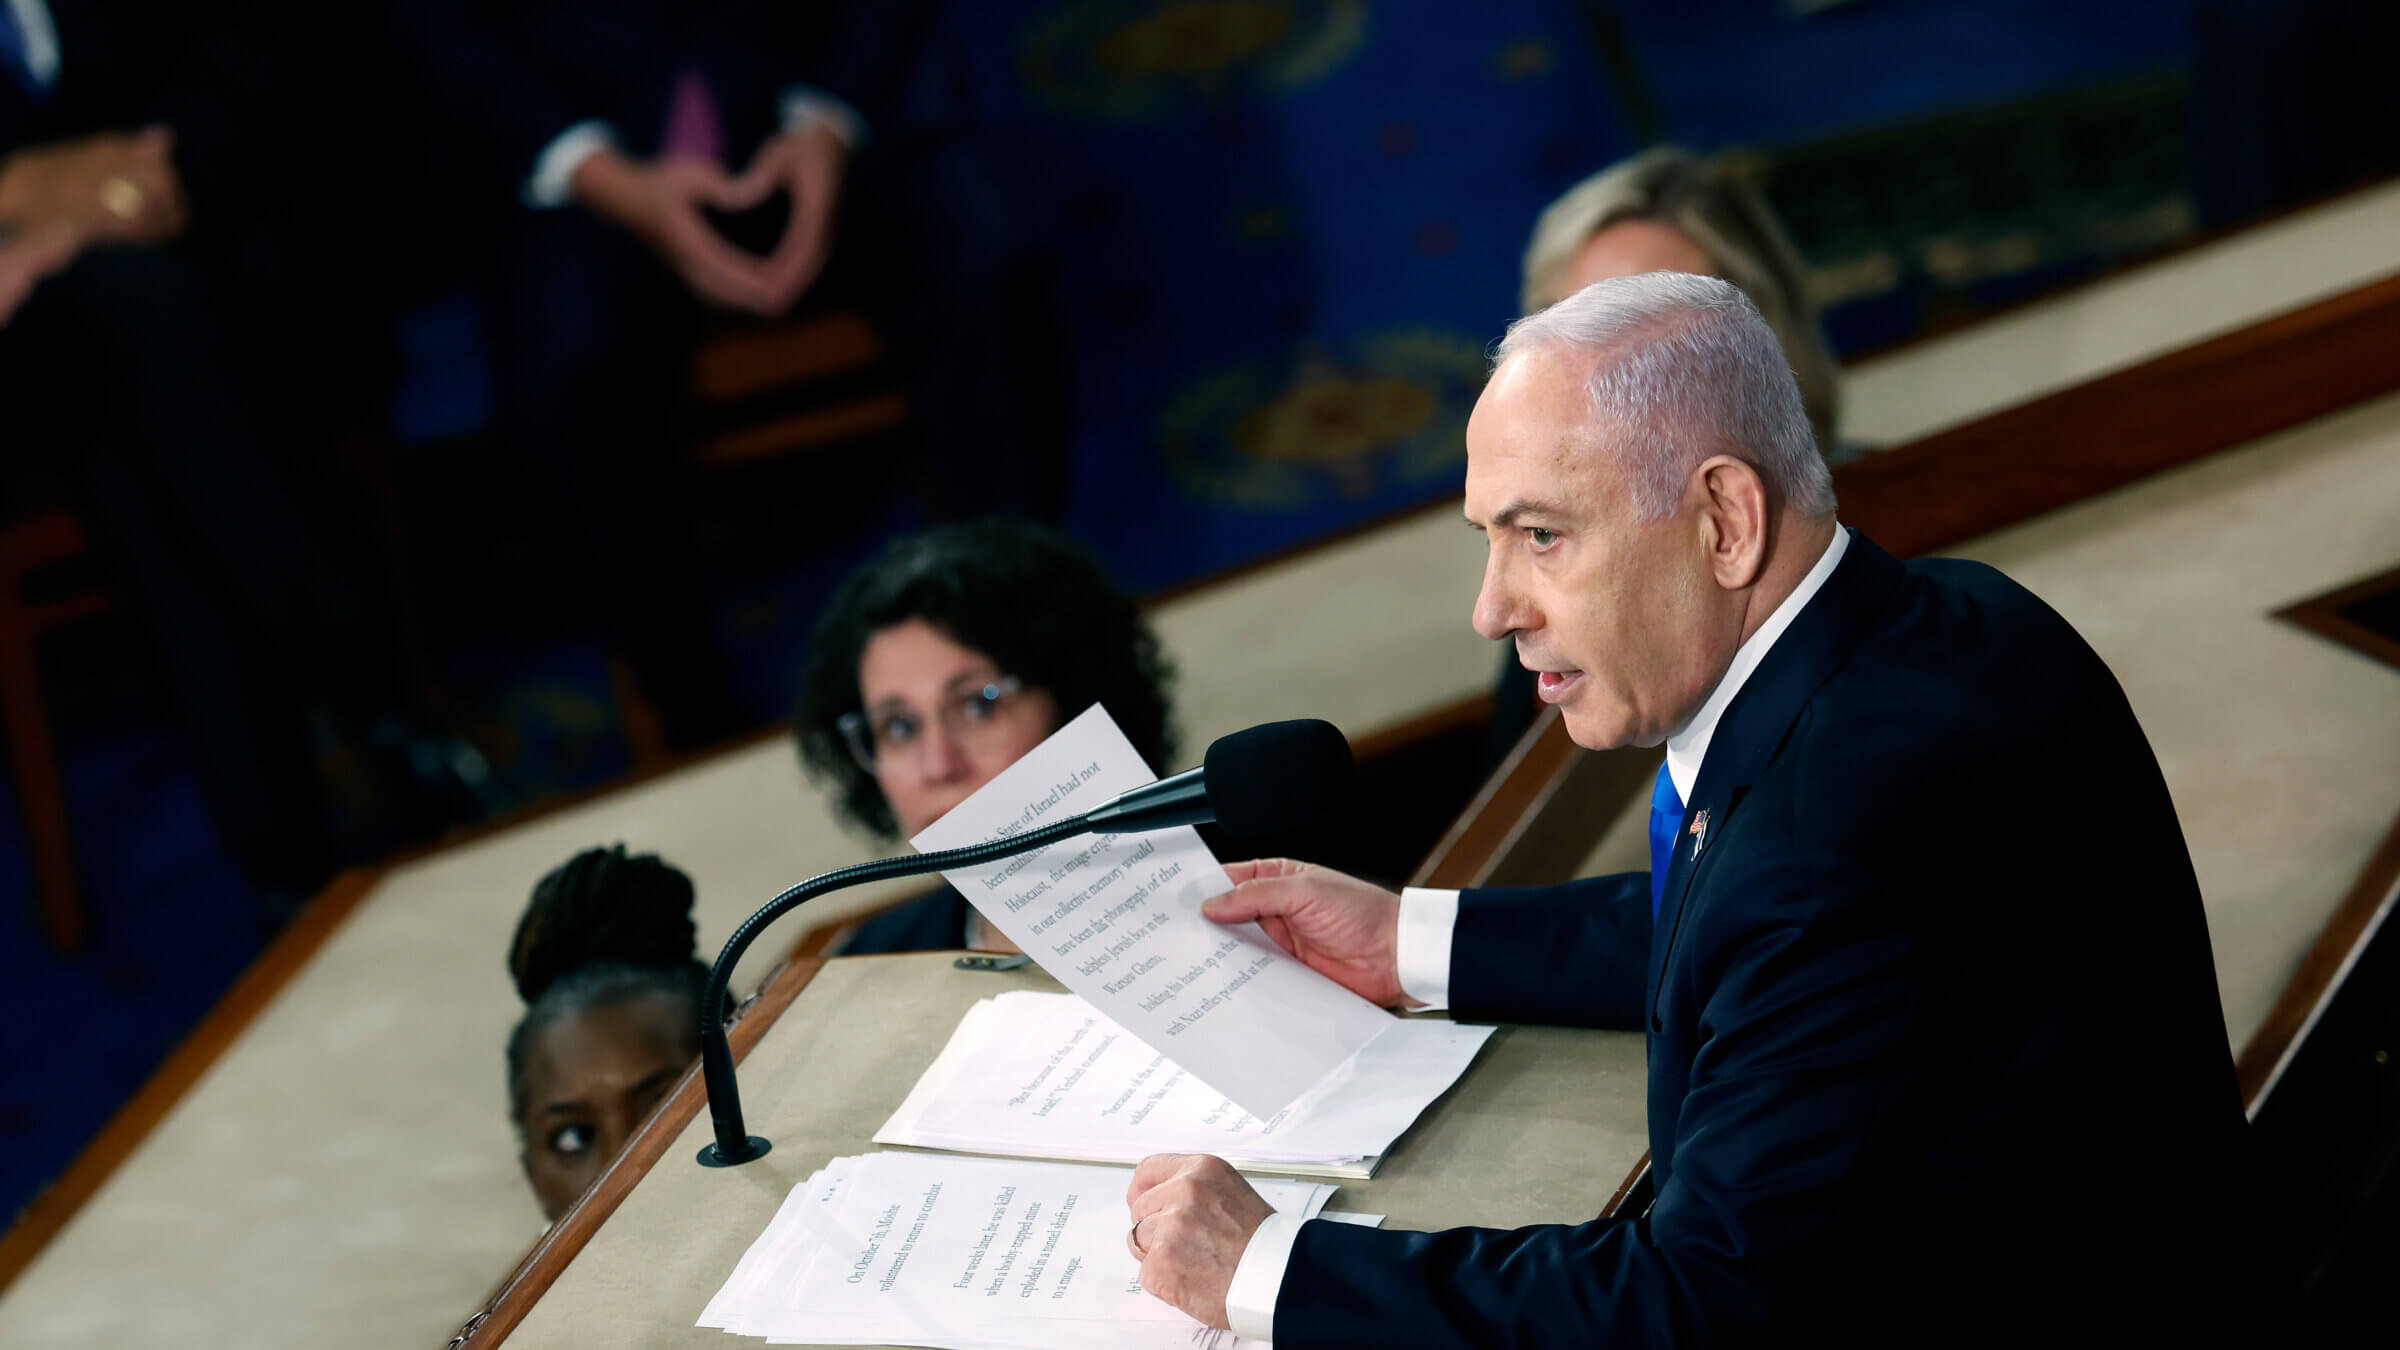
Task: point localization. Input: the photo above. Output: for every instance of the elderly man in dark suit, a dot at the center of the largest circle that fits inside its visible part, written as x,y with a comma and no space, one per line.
1936,1056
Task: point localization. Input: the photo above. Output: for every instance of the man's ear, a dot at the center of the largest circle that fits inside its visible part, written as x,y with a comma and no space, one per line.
1733,516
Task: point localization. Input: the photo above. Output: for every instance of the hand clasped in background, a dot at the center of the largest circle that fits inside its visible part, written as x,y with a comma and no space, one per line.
59,200
665,203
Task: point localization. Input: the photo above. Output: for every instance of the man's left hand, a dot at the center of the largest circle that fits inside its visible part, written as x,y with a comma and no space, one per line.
1193,1216
808,164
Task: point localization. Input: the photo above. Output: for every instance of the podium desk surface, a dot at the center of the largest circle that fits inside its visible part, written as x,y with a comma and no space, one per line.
1541,1129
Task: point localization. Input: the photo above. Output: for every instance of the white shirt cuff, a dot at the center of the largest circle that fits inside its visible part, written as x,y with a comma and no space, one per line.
554,169
41,41
804,106
1422,952
1250,1299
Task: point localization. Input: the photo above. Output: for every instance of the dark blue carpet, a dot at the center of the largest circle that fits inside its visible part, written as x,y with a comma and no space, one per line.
172,925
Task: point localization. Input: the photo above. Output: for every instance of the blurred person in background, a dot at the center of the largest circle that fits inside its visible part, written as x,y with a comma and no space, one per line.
940,663
605,957
1669,210
662,166
168,341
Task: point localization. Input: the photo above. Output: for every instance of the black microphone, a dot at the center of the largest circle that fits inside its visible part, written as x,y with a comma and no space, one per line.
1273,778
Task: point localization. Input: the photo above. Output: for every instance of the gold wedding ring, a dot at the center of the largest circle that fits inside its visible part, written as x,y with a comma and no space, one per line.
120,197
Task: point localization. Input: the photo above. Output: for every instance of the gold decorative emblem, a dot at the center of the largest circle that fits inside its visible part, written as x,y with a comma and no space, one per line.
1129,61
1390,410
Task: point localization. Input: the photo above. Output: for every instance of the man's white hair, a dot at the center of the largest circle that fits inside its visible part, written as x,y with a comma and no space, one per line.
1684,368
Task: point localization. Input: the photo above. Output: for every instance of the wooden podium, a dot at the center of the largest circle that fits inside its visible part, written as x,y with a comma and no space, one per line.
1540,1130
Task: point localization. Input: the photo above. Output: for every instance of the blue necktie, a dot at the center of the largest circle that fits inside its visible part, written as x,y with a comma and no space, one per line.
1666,816
13,52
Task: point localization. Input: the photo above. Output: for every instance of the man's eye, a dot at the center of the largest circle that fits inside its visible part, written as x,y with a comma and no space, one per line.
978,707
1542,539
897,729
571,1139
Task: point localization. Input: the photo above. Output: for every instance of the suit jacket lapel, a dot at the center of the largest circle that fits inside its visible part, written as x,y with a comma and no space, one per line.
1819,640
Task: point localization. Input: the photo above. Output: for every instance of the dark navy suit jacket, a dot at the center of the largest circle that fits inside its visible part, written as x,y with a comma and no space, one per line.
1936,1056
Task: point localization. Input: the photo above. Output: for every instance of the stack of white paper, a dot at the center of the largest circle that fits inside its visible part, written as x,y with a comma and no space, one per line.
1047,1076
964,1254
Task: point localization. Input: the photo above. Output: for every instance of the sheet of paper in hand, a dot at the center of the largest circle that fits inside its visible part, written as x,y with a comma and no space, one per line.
1116,918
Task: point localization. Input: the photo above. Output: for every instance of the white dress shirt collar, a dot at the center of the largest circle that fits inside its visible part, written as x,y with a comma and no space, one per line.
1688,745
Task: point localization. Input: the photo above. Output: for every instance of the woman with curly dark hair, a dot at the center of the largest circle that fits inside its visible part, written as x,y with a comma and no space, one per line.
941,662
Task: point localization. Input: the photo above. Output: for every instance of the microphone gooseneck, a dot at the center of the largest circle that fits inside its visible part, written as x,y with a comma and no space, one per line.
734,1144
1279,776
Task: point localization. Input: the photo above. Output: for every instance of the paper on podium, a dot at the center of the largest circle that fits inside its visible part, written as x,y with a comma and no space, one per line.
1116,918
1029,1074
961,1253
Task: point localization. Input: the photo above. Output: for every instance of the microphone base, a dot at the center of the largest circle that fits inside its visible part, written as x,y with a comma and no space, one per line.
752,1149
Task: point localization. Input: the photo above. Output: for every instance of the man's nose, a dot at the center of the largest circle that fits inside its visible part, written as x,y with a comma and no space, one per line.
1498,611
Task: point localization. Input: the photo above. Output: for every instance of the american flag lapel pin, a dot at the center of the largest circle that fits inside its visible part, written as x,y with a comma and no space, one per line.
1699,833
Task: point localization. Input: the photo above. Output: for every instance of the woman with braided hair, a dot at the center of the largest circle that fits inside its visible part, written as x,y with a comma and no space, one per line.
605,960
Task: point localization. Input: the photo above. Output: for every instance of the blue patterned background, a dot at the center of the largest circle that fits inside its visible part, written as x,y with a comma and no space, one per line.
1291,227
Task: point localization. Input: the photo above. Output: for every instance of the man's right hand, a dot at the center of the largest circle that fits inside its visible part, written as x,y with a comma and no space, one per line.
660,202
1343,928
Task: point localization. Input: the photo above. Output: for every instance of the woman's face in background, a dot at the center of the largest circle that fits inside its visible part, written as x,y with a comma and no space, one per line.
1632,247
590,1079
937,734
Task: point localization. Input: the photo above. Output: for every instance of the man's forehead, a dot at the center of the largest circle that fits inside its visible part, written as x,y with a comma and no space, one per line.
1532,436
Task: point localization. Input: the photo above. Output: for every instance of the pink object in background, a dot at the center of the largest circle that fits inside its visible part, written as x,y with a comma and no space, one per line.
692,130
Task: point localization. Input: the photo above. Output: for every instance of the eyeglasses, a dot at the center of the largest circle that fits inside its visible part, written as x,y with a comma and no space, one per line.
967,719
